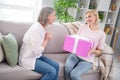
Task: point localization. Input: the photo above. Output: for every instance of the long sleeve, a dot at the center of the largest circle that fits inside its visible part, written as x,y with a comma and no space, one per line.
37,37
31,47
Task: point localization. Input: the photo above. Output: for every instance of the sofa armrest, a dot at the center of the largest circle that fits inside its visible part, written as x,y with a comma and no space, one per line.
107,60
107,49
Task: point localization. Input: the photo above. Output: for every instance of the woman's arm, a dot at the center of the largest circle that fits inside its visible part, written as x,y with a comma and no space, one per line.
46,39
97,52
100,46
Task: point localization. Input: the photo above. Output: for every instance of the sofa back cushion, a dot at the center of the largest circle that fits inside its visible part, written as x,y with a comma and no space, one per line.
16,28
58,32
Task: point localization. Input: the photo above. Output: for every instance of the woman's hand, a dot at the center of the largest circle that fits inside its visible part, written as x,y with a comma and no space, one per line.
47,37
91,51
95,51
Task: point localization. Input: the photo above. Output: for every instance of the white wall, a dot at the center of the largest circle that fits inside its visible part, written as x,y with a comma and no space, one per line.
47,3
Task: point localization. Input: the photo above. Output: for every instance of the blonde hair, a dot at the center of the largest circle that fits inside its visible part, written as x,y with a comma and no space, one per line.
94,12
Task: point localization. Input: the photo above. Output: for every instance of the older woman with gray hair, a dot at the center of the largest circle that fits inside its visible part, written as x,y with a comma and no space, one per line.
34,42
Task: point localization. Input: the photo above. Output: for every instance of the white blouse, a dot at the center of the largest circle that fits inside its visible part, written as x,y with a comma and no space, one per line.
31,47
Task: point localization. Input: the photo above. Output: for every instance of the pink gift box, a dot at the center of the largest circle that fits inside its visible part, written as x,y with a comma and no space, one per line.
77,45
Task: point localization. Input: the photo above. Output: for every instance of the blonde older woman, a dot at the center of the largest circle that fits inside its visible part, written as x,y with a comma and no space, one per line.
77,65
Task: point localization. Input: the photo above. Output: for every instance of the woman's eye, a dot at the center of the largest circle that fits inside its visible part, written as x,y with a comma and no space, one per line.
89,16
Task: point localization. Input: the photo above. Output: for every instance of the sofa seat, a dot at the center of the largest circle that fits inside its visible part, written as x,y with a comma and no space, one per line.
61,58
20,73
16,73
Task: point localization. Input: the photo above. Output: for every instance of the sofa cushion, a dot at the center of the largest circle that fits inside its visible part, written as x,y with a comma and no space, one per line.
11,49
1,51
61,59
58,32
17,73
17,28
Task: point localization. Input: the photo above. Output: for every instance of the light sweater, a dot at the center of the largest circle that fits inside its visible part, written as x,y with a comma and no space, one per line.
98,37
31,47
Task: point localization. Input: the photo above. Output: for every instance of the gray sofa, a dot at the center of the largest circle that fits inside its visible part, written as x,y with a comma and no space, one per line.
53,50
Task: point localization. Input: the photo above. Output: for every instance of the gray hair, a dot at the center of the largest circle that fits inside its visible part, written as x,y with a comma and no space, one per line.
44,13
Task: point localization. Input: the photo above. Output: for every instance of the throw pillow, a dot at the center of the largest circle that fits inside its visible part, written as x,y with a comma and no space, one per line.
1,51
10,47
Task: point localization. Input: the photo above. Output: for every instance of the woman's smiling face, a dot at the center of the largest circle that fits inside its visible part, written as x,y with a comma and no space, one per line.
51,17
90,18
